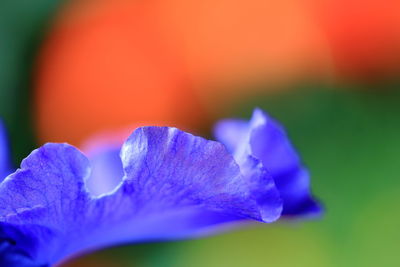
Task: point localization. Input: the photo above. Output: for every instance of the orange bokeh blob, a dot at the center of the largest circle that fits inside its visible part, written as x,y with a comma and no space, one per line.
111,63
364,36
108,67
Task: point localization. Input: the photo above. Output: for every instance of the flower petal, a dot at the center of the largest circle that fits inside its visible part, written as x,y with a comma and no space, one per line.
107,171
175,185
229,131
265,139
5,164
103,151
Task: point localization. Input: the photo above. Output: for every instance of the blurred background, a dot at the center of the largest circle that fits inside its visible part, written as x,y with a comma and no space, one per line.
329,70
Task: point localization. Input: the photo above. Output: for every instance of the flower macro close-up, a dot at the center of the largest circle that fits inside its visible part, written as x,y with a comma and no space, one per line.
186,133
174,185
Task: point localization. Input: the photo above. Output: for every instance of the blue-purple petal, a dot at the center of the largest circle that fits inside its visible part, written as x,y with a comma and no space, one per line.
107,171
266,140
175,185
5,163
229,131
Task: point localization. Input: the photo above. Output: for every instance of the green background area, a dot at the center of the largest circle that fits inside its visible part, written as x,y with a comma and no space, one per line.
349,138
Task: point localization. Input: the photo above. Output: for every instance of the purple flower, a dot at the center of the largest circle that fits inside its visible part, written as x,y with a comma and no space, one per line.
5,164
165,185
264,139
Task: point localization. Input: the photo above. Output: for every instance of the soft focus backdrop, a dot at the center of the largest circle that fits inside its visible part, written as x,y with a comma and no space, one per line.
329,70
